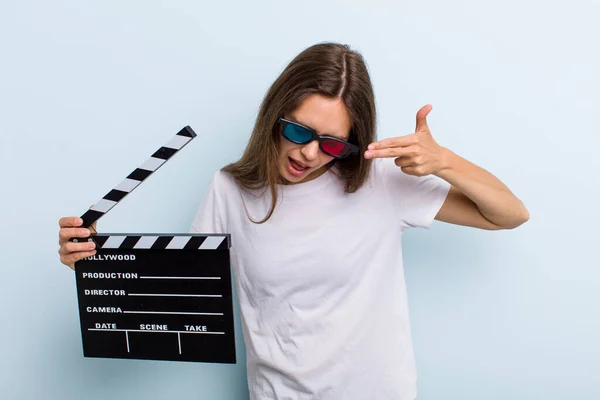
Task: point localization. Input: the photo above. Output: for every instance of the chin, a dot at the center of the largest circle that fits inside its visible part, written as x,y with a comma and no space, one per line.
287,177
292,174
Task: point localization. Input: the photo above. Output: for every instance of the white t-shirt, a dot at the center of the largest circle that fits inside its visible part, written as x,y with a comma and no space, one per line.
321,283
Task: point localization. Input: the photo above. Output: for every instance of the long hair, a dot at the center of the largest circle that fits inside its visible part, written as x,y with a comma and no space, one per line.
329,69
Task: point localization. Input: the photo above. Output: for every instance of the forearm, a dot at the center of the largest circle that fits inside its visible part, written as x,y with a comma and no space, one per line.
493,198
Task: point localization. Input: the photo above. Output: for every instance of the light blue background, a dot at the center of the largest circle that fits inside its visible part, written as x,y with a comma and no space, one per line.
88,90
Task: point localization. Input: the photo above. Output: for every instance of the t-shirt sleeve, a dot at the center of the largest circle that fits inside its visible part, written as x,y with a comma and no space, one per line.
416,200
209,217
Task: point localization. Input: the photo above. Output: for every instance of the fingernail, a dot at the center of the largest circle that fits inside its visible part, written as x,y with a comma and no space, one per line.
371,147
368,154
85,232
91,245
79,221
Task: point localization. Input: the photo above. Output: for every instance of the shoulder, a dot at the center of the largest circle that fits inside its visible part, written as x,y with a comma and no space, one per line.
384,169
223,181
388,175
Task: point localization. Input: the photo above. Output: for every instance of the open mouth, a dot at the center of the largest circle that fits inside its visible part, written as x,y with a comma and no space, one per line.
296,168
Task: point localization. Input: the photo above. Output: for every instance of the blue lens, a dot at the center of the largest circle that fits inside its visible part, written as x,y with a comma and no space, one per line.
297,134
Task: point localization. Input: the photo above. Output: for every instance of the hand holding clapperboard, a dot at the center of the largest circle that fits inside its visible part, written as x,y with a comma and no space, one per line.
153,296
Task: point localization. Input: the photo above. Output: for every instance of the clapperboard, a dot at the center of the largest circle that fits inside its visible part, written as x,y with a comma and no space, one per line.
155,296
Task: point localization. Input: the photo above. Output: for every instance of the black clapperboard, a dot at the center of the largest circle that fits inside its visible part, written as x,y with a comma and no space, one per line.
155,296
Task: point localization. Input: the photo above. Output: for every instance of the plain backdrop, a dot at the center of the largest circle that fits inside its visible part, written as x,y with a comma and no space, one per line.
89,89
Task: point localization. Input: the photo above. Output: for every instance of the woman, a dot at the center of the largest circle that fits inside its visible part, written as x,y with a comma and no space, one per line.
316,209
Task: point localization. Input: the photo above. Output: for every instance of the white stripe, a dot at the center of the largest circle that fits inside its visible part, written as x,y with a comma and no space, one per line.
104,205
128,185
145,242
151,164
178,242
177,142
211,242
113,242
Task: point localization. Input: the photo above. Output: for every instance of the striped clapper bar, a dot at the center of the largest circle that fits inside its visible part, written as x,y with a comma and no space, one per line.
141,173
155,296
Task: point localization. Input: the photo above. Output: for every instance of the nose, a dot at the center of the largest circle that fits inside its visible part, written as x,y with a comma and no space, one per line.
310,150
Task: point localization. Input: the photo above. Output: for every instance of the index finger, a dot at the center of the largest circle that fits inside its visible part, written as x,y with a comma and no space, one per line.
400,141
65,234
66,222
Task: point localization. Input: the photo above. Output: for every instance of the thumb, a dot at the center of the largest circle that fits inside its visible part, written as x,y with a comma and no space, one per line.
422,118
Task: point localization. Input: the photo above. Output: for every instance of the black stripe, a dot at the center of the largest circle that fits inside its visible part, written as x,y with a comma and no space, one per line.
129,242
164,153
90,217
115,195
100,240
161,242
223,245
187,131
194,243
139,174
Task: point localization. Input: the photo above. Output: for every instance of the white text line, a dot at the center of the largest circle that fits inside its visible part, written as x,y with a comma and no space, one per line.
150,331
171,312
180,277
174,295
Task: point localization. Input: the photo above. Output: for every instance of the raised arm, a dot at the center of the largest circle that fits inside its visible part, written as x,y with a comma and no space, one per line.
477,198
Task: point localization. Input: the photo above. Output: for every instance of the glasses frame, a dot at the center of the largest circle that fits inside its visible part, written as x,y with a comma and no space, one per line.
315,136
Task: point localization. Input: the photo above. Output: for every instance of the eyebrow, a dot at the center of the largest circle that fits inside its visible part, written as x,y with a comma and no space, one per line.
337,135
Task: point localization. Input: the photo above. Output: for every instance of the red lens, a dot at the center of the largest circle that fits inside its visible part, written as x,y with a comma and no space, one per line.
333,147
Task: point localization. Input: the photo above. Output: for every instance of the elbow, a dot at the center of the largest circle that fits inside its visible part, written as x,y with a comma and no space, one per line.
525,216
519,219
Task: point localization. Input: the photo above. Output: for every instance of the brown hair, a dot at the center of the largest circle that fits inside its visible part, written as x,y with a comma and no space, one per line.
329,69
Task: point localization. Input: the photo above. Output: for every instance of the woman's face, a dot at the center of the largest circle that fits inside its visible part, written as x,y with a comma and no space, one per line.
304,162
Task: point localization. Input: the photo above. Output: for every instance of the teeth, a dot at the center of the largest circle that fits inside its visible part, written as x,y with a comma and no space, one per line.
297,165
